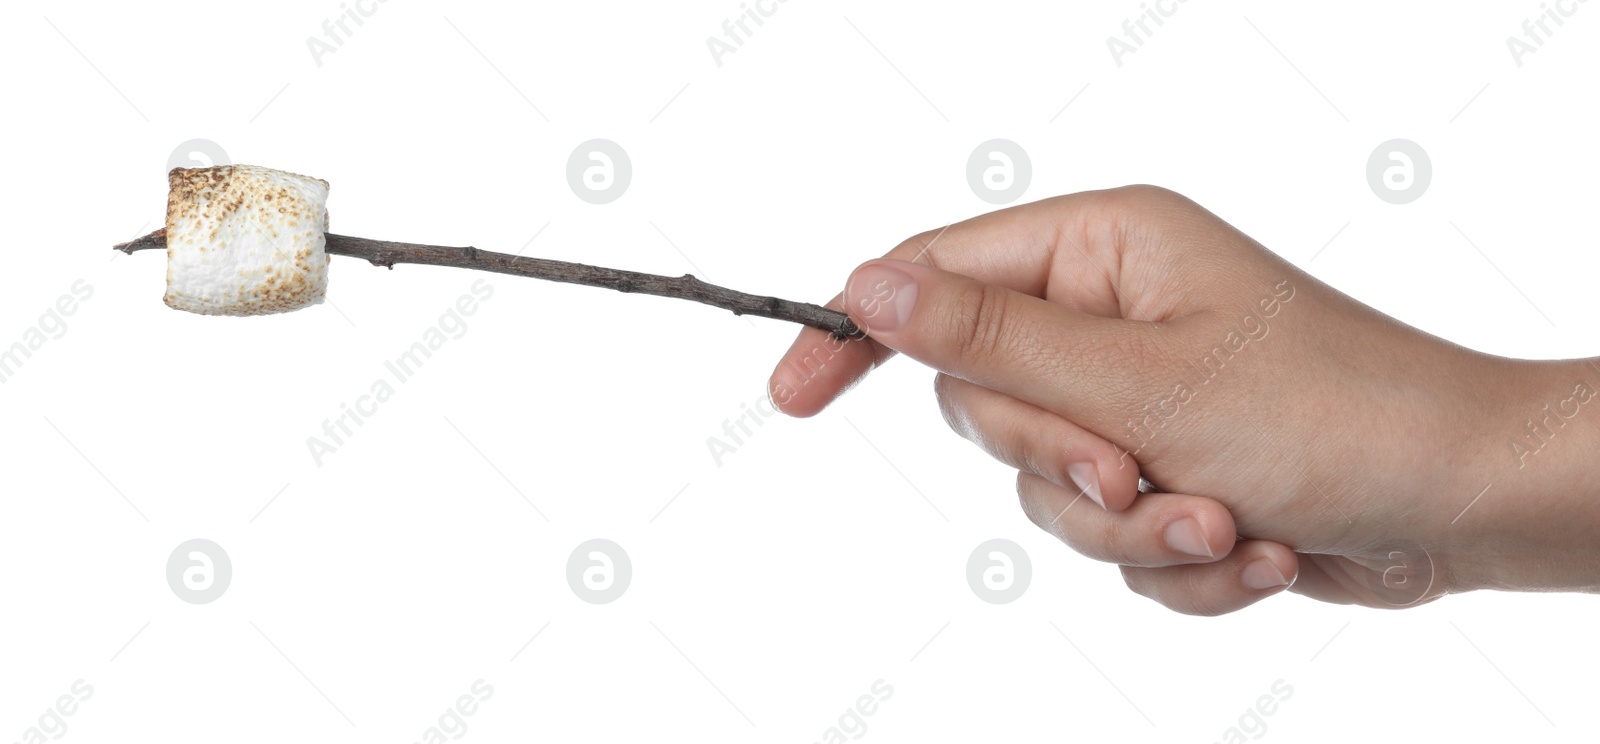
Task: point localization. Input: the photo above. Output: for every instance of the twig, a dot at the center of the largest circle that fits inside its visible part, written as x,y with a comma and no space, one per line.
387,253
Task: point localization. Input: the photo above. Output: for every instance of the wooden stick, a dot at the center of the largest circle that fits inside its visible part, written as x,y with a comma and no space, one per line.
387,253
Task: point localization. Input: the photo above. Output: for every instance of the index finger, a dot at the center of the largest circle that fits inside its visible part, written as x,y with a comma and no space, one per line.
1016,248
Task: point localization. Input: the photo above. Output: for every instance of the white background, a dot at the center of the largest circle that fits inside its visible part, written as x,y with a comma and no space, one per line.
771,591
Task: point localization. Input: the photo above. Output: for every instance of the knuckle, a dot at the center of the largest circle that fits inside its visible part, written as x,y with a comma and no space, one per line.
1174,590
1143,196
1137,581
1026,456
979,327
947,402
1046,513
916,248
1193,594
1032,506
1201,610
1110,543
1136,214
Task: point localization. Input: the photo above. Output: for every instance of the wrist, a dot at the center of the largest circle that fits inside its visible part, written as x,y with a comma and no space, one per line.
1535,521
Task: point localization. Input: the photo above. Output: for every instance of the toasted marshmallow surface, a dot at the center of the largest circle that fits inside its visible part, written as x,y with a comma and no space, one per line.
245,240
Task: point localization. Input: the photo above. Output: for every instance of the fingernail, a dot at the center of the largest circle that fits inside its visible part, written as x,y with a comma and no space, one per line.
881,296
1262,574
771,400
1185,536
1086,477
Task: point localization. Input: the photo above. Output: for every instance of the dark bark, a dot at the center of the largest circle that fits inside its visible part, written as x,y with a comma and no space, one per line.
686,287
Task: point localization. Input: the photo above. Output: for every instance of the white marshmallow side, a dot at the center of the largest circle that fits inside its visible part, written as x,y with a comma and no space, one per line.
245,240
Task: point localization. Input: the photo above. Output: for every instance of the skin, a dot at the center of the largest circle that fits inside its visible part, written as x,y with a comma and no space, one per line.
1299,439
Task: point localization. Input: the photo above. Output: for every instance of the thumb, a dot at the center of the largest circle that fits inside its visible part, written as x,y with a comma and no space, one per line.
1088,368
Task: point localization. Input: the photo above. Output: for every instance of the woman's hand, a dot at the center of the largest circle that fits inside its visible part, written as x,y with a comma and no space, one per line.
1297,436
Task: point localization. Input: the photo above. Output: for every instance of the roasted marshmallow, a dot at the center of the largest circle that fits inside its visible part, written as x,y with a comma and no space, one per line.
245,240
